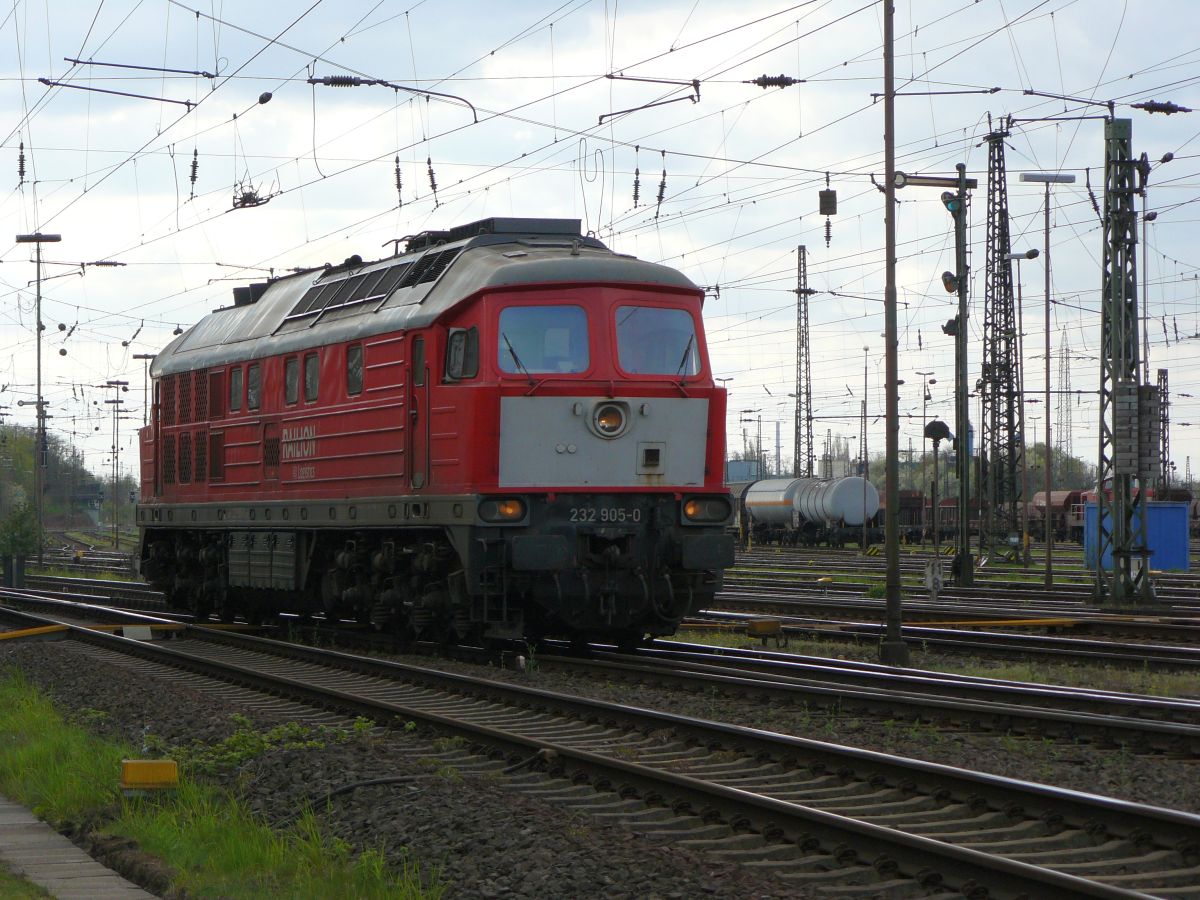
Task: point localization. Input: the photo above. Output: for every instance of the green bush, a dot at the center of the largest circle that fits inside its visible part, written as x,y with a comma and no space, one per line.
18,532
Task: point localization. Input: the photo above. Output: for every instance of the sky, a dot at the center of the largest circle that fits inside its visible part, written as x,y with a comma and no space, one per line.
229,166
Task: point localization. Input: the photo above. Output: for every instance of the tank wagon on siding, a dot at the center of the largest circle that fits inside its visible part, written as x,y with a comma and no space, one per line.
810,511
506,430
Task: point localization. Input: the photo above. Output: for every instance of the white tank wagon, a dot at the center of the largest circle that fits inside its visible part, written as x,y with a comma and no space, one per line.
811,510
849,501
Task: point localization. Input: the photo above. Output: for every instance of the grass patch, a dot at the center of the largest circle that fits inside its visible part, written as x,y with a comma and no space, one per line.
14,887
215,845
247,743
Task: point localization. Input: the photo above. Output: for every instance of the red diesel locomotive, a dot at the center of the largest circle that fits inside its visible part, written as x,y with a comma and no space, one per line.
507,430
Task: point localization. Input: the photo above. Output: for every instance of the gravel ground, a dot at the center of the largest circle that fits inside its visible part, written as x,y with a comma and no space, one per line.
484,839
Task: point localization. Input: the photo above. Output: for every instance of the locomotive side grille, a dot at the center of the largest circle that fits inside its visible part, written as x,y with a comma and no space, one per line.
184,407
201,449
201,394
271,452
185,457
168,462
168,399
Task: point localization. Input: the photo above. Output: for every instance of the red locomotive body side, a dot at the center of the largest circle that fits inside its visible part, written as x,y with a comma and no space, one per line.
506,428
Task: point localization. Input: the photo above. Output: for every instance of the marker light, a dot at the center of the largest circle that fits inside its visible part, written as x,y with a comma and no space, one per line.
706,509
508,509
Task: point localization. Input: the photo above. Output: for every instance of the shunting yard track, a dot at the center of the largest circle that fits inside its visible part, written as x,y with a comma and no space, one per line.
1142,724
812,813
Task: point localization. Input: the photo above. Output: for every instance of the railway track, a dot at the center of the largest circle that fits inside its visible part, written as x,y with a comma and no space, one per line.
974,640
1141,724
811,813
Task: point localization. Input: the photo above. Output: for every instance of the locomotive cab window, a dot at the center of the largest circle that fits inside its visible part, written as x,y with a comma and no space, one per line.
291,380
462,353
312,372
354,369
543,339
652,340
253,387
235,389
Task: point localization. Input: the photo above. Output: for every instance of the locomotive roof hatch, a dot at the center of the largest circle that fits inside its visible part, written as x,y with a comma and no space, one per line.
437,271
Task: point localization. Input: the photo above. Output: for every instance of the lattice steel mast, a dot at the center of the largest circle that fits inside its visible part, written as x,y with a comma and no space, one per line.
1062,418
1128,409
802,465
1001,439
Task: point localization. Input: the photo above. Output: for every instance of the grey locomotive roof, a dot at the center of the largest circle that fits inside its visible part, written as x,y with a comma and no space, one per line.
497,254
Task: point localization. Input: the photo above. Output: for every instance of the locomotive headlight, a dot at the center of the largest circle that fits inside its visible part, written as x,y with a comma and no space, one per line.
508,509
609,419
706,509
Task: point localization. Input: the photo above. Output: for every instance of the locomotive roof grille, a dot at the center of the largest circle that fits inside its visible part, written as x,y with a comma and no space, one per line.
429,267
371,286
362,288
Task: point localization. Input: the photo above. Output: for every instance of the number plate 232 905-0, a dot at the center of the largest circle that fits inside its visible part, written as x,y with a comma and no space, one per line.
604,515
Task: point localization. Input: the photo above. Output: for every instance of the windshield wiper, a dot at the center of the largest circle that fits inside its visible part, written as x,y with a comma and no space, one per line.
687,351
516,359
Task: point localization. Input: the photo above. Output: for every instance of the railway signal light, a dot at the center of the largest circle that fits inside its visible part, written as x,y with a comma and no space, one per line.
950,282
952,202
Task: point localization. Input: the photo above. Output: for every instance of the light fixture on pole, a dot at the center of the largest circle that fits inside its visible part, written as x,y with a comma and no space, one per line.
1048,178
39,461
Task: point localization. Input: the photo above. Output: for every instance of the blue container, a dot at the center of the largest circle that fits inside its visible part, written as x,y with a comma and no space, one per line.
1166,536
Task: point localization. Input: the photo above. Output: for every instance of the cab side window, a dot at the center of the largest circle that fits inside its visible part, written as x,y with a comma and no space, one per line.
291,380
418,361
253,387
312,374
354,369
462,353
235,389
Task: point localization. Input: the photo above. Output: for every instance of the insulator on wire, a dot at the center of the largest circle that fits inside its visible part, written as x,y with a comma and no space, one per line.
21,165
1087,181
827,205
399,184
432,181
195,169
637,177
662,185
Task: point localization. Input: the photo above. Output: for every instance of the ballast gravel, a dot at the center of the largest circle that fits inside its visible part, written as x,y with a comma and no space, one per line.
467,828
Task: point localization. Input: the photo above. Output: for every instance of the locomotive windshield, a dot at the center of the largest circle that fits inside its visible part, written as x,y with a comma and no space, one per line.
652,340
543,339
